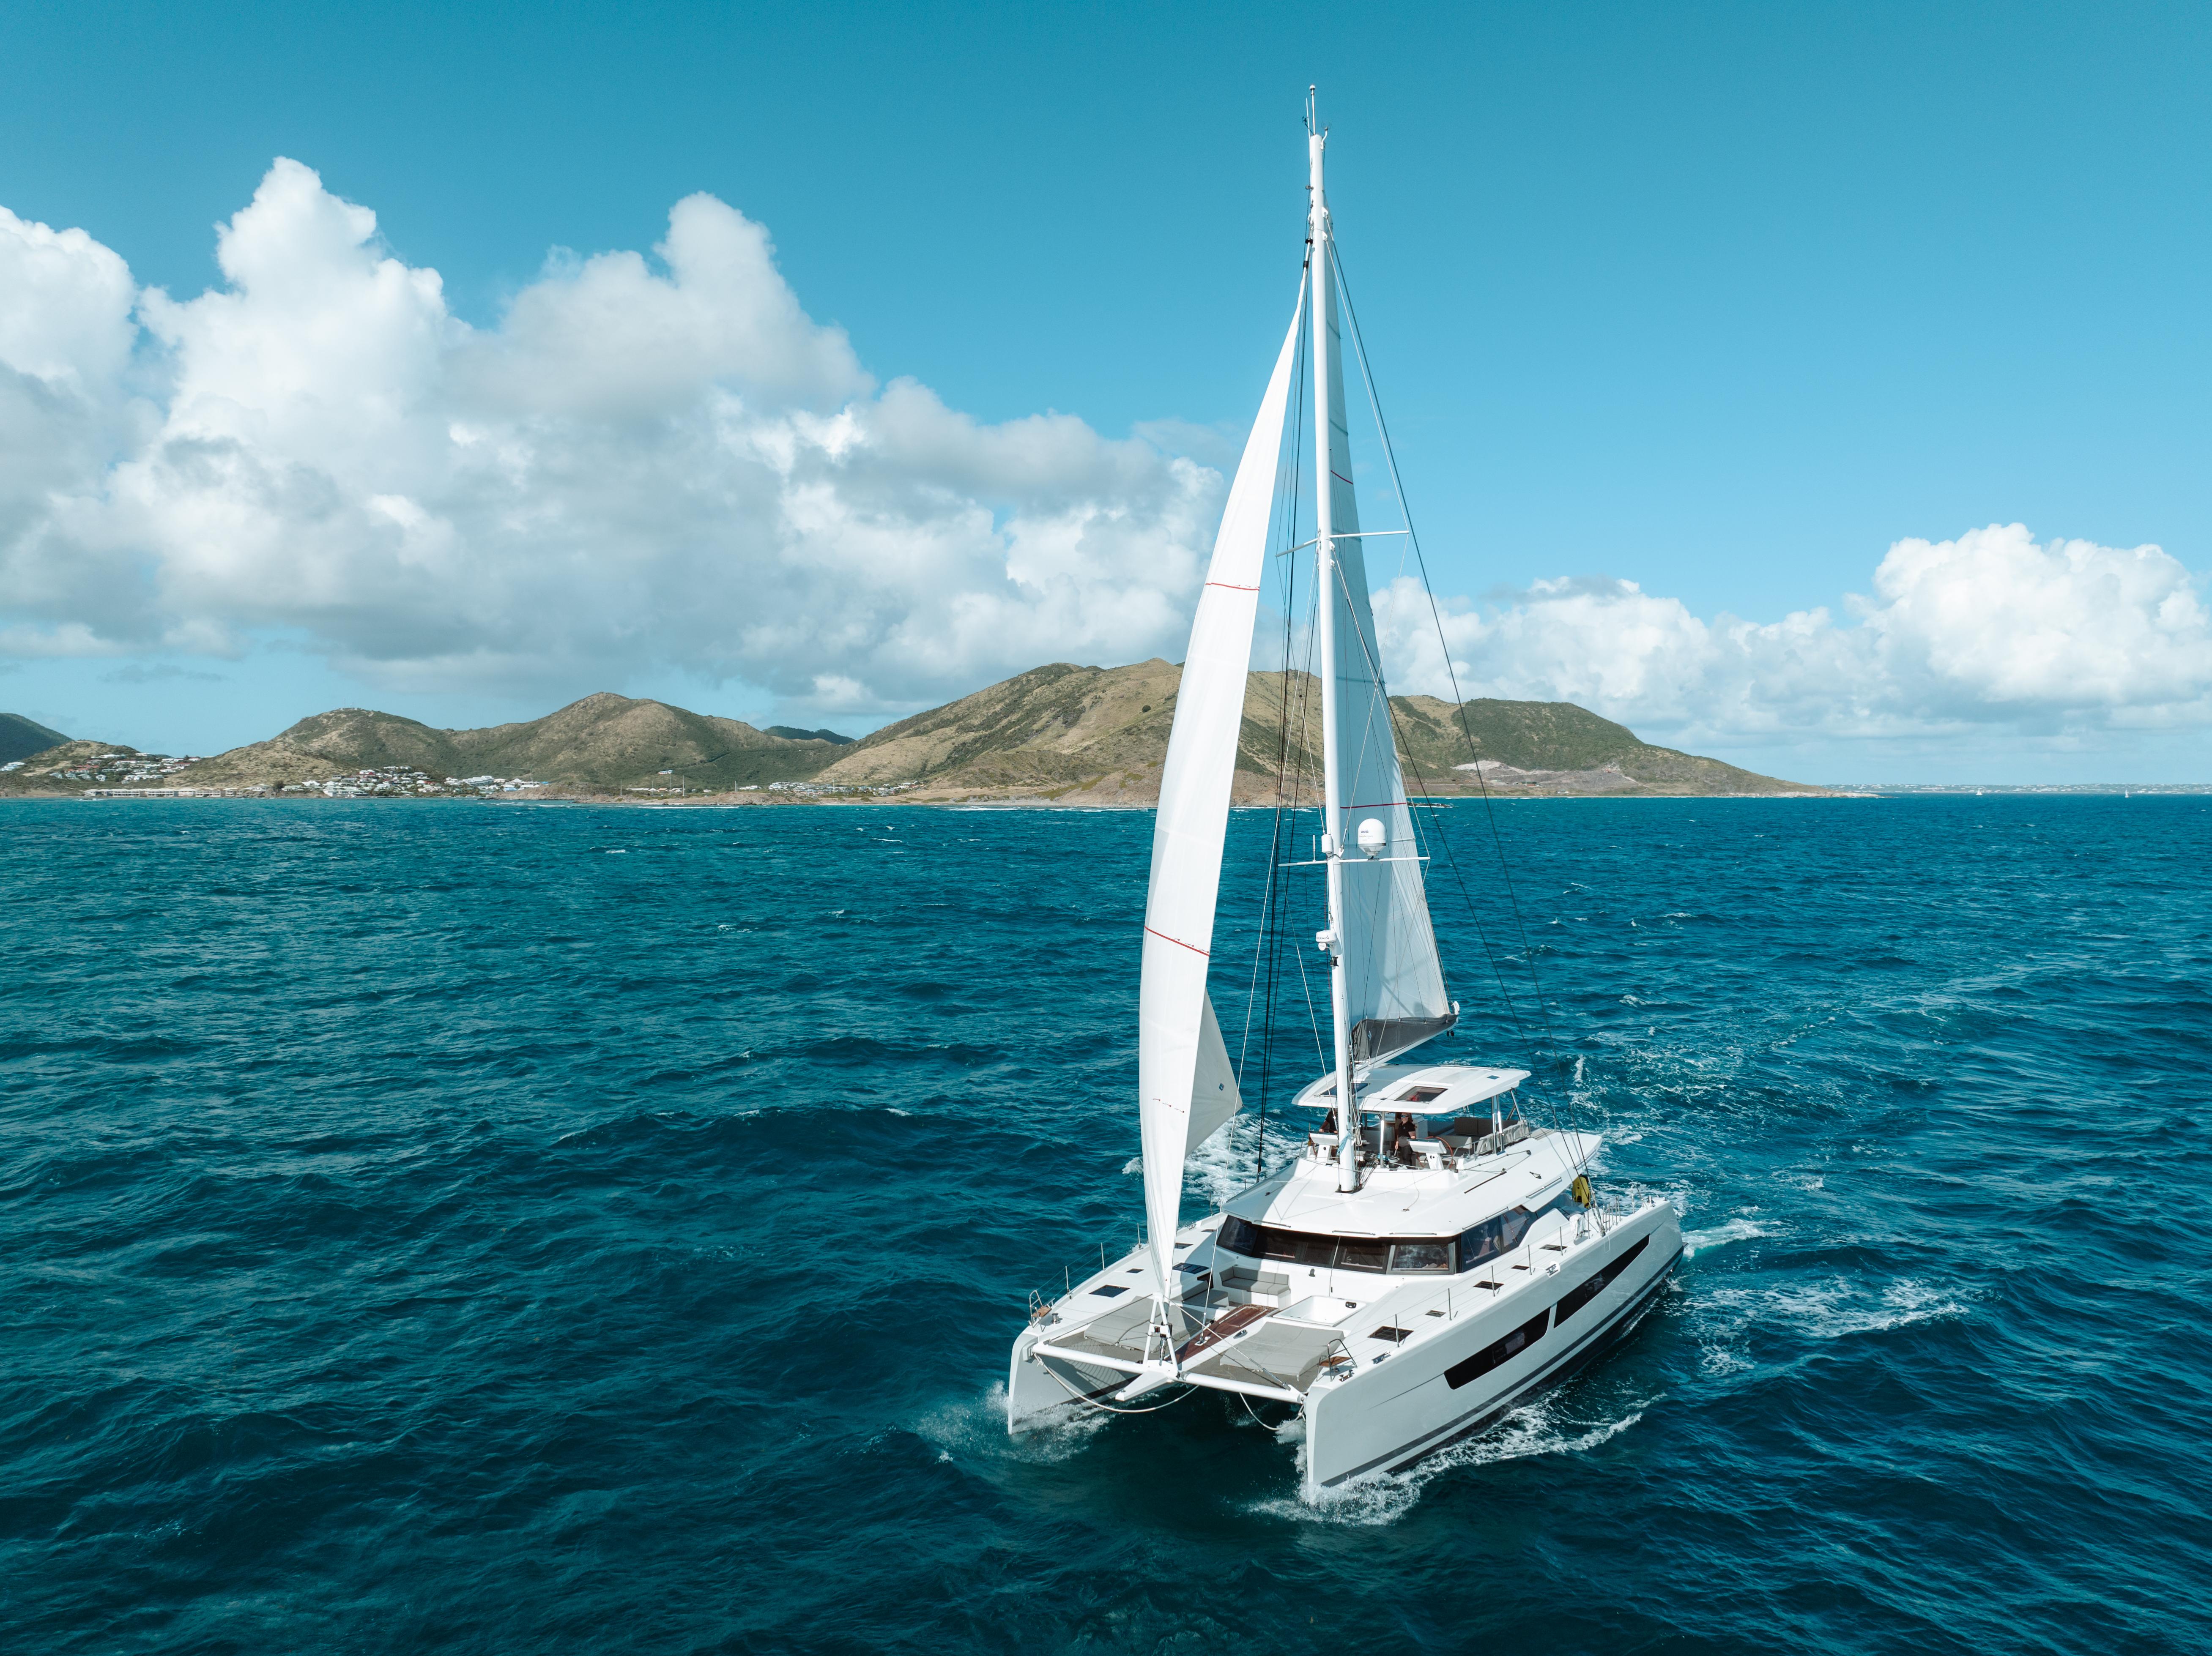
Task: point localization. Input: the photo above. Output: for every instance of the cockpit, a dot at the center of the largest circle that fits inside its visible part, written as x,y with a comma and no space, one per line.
1437,1116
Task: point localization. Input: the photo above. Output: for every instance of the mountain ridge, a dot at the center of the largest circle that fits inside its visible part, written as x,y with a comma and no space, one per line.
1099,735
1058,733
23,738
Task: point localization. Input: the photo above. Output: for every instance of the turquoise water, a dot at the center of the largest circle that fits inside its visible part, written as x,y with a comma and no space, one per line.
467,1227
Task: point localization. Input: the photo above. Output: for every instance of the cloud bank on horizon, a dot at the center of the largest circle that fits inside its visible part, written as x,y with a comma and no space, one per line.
1990,628
651,466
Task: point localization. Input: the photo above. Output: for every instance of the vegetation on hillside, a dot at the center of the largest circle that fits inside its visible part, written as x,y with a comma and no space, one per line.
604,742
1096,734
21,738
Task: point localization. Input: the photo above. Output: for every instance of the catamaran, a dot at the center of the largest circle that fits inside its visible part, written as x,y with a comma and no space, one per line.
1430,1257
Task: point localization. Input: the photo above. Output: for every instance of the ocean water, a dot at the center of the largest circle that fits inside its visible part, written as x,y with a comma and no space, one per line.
471,1227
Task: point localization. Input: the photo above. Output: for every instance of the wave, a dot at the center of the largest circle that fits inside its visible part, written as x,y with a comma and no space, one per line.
1735,1230
1547,1426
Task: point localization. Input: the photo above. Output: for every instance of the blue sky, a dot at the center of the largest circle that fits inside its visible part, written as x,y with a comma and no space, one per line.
1722,300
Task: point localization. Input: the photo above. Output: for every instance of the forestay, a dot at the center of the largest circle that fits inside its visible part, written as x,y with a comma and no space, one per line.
1393,981
1185,1088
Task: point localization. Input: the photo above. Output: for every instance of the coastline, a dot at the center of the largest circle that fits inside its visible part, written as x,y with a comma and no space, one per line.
1082,799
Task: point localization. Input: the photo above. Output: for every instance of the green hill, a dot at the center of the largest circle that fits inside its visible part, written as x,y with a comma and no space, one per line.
610,741
604,742
1089,734
1100,733
21,738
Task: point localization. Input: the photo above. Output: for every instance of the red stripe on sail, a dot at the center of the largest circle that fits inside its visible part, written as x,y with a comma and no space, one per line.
1180,944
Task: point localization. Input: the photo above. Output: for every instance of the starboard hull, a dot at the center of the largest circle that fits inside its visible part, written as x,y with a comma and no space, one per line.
1390,1415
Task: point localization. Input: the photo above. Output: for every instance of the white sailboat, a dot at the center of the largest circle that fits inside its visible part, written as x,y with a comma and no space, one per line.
1401,1288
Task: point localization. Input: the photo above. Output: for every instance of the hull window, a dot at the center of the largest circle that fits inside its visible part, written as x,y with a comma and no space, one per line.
1576,1297
1500,1351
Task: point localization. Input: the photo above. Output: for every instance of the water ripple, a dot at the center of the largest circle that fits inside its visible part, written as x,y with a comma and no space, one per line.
461,1228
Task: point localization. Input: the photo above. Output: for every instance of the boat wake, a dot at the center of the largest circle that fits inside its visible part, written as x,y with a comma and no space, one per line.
974,1429
1831,1309
1548,1426
1735,1230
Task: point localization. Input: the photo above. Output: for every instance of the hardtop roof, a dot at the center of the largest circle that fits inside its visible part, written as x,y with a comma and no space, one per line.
1456,1088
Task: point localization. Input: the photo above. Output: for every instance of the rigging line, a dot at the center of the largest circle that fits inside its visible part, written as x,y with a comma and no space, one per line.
1297,766
1504,867
1108,1408
1398,487
1405,748
1305,726
1284,798
1268,890
1268,944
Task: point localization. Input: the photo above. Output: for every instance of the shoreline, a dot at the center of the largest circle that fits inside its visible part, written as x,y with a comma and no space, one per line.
1035,802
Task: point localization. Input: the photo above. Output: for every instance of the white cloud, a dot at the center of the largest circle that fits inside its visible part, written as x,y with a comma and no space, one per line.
643,466
664,464
1988,629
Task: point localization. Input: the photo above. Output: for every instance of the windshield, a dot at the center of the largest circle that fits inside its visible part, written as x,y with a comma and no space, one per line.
1397,1256
1375,1253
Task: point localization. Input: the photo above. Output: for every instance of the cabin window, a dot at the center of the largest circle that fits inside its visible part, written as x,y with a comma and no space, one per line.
1493,1237
1409,1258
1420,1094
1363,1253
1504,1233
1240,1236
1375,1254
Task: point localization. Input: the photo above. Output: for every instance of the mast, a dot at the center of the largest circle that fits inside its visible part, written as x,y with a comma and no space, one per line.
1348,1134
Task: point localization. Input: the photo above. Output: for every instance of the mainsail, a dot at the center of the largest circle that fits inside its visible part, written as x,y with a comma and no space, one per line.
1394,984
1185,1088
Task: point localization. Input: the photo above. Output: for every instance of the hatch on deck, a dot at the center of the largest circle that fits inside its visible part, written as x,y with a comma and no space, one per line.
1420,1089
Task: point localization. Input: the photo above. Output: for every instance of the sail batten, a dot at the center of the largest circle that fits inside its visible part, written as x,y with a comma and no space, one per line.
1182,1079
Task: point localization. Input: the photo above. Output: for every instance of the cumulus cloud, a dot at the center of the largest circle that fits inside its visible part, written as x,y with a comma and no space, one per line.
647,464
1991,628
664,462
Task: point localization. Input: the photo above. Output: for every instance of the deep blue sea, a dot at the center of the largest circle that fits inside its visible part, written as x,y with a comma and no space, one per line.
470,1227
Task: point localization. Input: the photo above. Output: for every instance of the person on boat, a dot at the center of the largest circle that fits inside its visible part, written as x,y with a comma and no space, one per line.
1403,1132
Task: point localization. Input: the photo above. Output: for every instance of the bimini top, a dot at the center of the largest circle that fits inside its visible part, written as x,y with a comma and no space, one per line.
1420,1089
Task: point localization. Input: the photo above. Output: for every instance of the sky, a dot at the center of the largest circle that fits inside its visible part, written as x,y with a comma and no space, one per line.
1821,387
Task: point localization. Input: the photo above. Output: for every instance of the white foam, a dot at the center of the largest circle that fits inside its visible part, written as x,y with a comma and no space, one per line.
1543,1427
1830,1308
1735,1230
974,1429
1222,1167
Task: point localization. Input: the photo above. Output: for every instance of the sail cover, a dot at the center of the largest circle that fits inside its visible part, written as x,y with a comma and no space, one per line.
1392,977
1180,1053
